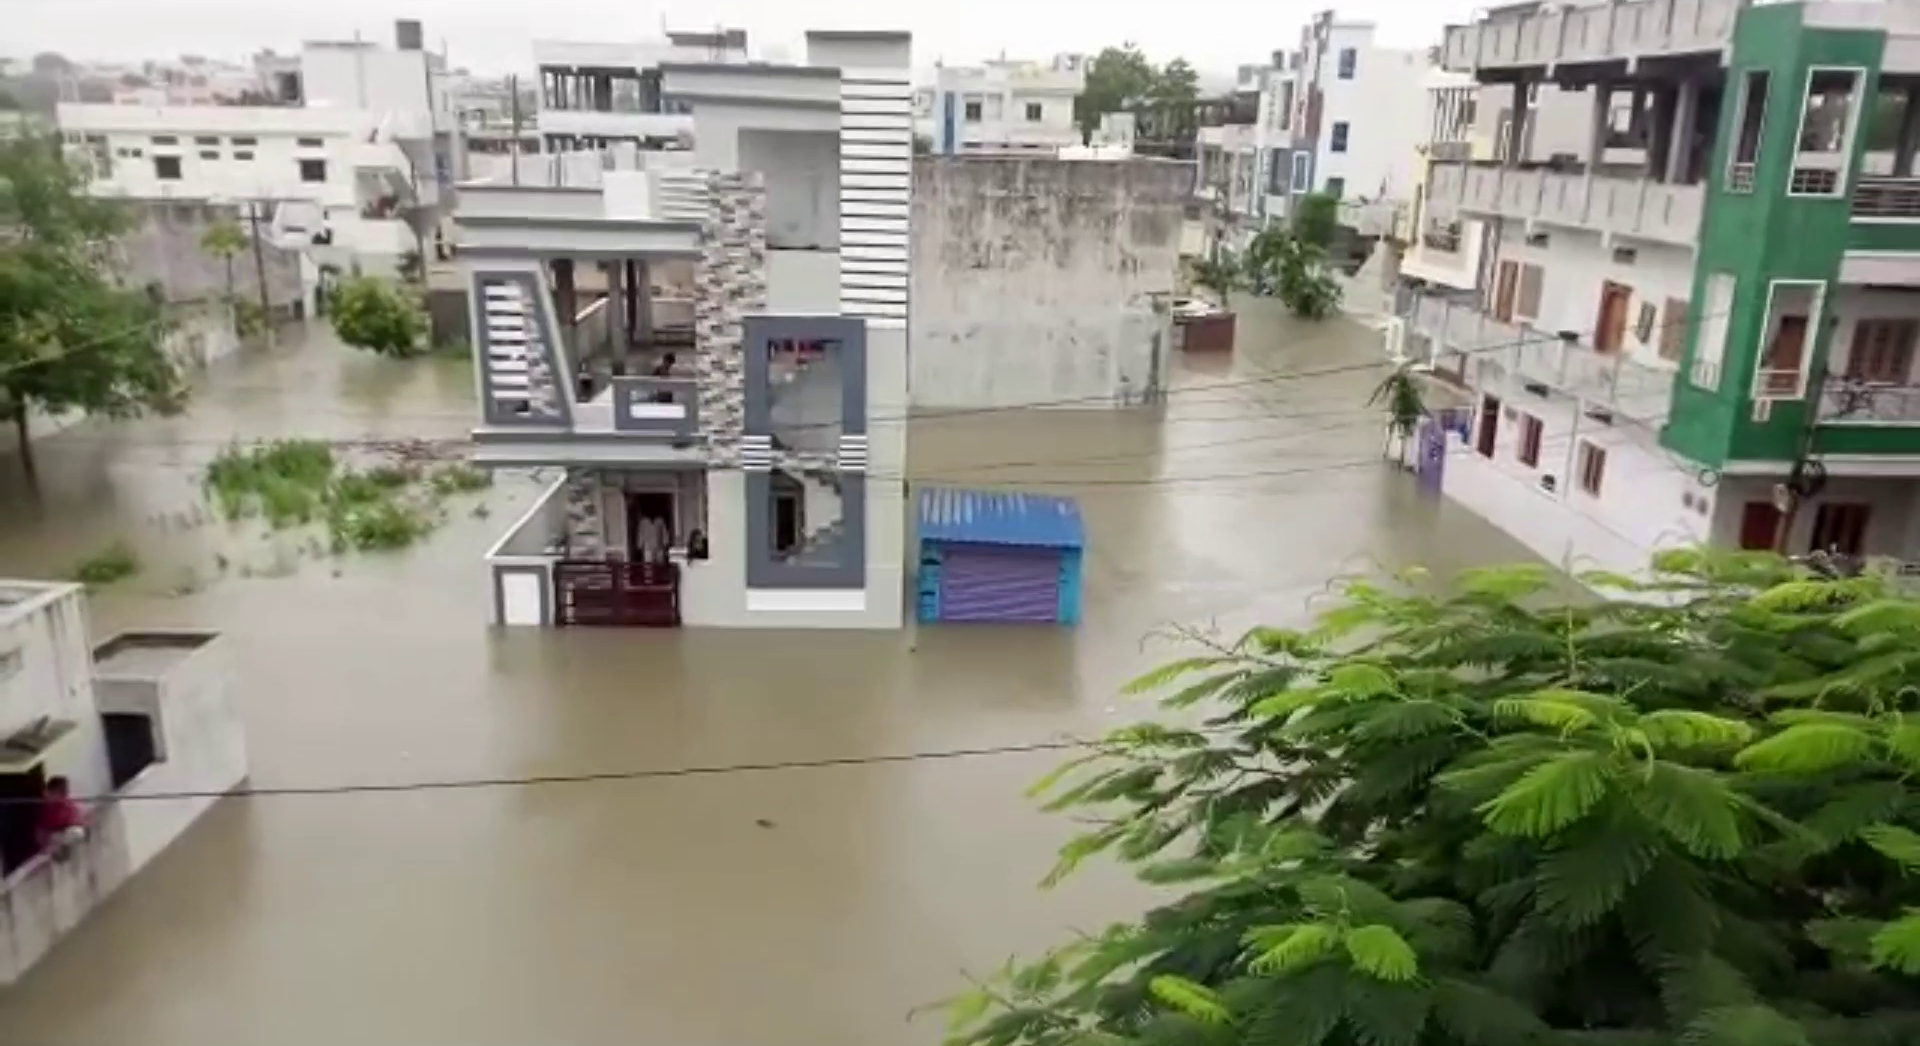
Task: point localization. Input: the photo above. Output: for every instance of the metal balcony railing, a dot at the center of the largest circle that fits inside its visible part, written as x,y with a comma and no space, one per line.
1851,401
1887,198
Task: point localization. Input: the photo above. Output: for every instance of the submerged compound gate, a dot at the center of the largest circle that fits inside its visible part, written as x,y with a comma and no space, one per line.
633,595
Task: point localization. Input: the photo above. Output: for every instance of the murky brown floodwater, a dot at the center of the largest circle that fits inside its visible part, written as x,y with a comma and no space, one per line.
656,910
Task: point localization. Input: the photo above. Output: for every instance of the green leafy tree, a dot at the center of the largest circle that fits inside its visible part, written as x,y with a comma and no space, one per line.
1222,276
1682,814
225,240
1316,219
1401,394
377,315
1176,84
1119,79
72,336
1280,264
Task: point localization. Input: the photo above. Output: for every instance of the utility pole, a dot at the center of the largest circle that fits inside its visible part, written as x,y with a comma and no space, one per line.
254,207
1806,478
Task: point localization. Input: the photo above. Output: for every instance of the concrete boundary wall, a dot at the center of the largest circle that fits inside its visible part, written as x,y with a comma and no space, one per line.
1037,279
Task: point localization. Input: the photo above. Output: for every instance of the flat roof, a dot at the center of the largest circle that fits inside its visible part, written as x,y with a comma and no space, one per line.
759,68
147,655
860,34
1000,517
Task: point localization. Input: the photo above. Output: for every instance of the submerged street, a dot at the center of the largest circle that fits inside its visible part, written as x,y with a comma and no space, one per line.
753,908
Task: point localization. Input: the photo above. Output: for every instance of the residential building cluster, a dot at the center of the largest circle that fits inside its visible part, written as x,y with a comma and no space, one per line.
1671,249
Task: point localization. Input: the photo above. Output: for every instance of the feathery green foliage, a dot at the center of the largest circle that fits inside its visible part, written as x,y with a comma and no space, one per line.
1459,818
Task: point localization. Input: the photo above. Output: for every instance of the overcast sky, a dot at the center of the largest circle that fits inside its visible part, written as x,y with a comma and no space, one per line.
492,35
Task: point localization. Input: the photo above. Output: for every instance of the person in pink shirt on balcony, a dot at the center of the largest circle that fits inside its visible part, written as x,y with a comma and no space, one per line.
61,822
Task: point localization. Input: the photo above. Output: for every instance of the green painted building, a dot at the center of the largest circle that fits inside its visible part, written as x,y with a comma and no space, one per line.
1698,308
1796,343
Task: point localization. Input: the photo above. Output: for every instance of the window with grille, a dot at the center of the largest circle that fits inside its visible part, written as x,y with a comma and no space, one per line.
1882,351
1531,431
1643,325
1673,330
1531,279
1593,468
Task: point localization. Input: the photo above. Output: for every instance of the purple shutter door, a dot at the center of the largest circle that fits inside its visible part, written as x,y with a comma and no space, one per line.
999,584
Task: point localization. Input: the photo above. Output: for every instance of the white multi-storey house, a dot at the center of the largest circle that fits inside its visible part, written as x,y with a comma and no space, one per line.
597,94
140,716
710,343
1002,106
1357,116
351,166
1443,252
1699,308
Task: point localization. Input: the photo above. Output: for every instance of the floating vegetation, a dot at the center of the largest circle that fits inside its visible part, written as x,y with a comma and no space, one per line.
114,563
292,483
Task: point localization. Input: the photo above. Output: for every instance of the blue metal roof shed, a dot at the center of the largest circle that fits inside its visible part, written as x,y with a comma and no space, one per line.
990,555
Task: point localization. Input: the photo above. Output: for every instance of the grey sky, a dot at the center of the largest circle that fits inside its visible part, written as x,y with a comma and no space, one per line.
492,35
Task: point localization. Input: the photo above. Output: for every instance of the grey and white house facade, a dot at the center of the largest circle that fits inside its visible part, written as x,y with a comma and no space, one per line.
708,348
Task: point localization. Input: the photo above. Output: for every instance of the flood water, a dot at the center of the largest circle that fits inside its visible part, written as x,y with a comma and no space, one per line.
756,908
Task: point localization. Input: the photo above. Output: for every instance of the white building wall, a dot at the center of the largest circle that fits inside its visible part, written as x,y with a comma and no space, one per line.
802,172
1035,280
1576,265
1383,106
273,171
46,669
1648,500
205,752
369,77
1003,92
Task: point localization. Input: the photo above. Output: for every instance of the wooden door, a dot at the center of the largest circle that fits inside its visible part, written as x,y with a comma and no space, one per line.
1489,429
1759,525
1505,285
1789,344
1611,329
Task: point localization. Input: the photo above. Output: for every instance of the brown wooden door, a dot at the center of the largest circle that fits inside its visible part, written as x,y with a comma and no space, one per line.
1759,525
1489,428
1504,287
1612,326
1789,343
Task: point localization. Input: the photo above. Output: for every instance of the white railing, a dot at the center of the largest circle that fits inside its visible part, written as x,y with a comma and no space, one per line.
1603,203
1573,368
46,898
1887,199
1591,32
1847,401
1779,383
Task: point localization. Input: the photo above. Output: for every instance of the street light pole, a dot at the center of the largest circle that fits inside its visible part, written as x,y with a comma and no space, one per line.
254,218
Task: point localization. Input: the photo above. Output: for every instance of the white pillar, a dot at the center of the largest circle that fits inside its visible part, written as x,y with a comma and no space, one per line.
1680,148
1909,137
1602,121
